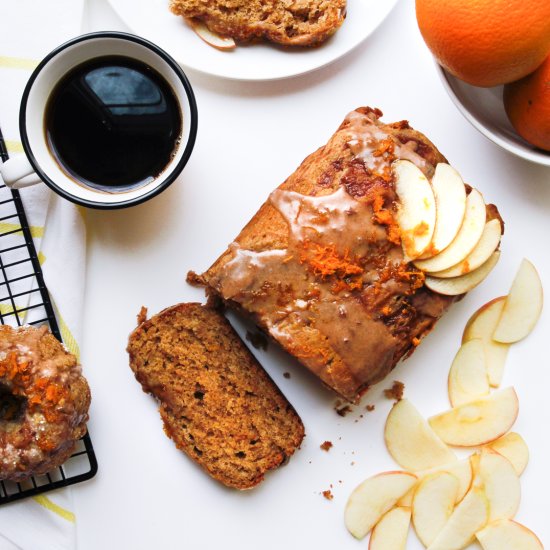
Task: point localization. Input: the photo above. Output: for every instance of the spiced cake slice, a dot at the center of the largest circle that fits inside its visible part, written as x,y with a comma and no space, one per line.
321,267
217,403
287,22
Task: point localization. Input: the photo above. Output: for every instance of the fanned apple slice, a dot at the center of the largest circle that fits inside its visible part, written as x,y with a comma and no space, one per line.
411,441
370,500
513,447
211,38
470,515
482,325
416,213
468,374
390,533
479,421
450,206
488,243
464,283
499,480
468,236
433,504
506,534
522,307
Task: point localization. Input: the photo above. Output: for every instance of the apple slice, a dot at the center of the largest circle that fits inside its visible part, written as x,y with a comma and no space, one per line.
500,481
433,504
470,515
482,324
390,533
464,283
522,307
506,534
479,421
411,441
468,374
416,213
468,236
461,469
210,37
407,499
450,207
488,243
513,447
370,500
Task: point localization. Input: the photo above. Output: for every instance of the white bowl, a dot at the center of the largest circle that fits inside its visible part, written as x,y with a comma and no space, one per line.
484,109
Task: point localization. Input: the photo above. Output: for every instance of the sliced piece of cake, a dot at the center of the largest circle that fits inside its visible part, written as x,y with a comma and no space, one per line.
288,22
217,403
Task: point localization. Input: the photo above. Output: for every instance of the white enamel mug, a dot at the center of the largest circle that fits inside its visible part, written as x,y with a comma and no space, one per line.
39,165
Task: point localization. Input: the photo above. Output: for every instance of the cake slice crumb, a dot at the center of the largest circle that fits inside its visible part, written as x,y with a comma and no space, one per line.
396,391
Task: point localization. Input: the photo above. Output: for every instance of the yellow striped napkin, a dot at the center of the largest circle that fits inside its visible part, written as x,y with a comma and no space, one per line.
28,31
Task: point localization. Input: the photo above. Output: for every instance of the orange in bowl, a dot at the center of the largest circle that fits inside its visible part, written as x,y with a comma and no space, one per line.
527,104
486,42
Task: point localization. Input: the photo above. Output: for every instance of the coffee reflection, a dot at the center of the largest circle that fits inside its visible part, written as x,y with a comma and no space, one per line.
113,123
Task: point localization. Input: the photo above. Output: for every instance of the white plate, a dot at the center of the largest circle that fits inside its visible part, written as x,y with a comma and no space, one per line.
484,109
153,20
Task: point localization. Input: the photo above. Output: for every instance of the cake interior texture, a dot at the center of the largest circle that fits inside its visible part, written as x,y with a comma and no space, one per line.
217,403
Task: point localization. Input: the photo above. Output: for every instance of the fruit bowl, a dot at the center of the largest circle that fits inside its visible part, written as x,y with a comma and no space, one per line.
483,108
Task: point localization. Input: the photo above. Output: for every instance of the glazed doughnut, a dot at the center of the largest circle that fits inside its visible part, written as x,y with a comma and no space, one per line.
44,401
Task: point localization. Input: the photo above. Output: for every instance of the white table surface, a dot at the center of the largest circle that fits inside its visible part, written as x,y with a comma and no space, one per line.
148,495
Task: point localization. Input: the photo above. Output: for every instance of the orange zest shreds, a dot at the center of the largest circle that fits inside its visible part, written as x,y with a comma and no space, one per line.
288,259
415,341
41,383
53,393
386,310
349,283
387,174
403,272
431,250
408,243
383,216
394,234
384,146
325,261
377,203
421,229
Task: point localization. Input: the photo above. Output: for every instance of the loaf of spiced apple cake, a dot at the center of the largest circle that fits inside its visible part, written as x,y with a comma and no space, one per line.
321,267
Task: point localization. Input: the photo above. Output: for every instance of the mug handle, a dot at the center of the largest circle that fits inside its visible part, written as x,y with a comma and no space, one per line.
17,172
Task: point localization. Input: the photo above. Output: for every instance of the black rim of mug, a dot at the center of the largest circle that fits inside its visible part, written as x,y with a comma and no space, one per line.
176,170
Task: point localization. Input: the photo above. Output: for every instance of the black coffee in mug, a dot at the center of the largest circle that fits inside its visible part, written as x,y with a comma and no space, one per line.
113,123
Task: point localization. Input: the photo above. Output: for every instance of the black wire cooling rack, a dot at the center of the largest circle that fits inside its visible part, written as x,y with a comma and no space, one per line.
24,299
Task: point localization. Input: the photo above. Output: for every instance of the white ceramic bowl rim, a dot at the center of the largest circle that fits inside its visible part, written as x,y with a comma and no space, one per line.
493,125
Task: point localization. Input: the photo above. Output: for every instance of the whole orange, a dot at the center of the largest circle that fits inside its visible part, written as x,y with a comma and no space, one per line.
527,104
486,42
